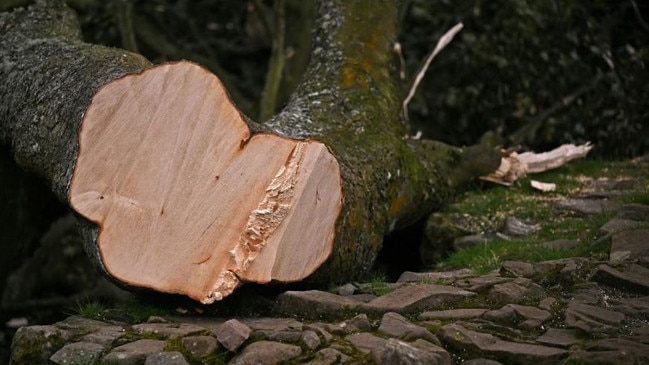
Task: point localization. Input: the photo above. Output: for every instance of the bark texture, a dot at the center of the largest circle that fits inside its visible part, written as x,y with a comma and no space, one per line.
349,100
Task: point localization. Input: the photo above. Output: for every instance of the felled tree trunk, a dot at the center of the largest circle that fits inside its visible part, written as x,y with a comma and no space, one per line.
188,196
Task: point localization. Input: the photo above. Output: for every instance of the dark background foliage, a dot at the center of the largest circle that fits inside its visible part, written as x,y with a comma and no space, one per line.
535,73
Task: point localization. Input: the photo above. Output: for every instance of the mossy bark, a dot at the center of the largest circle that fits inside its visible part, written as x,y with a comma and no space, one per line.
350,100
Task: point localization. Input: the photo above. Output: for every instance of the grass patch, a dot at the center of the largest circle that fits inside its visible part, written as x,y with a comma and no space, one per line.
487,210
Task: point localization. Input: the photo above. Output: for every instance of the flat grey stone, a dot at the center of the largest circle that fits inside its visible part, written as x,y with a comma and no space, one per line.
515,291
617,225
629,245
525,317
637,351
266,353
78,353
519,228
560,244
635,278
168,330
462,339
586,206
321,330
517,269
330,328
590,319
544,268
166,358
232,334
366,342
412,298
200,346
359,323
635,307
329,356
609,357
481,283
104,335
273,324
313,303
396,325
636,212
434,277
310,339
481,361
134,352
80,325
452,314
275,329
396,352
548,303
558,337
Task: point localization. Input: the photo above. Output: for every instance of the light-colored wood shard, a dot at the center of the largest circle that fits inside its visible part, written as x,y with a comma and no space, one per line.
189,201
515,166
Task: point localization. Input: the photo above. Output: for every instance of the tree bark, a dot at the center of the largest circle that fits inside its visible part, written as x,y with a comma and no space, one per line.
349,101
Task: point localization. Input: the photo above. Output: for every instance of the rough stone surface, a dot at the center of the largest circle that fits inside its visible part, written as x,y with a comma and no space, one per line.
617,224
453,314
590,318
458,337
559,337
232,334
415,297
524,317
441,277
200,346
168,330
517,227
266,353
166,358
359,323
635,212
635,278
313,303
587,206
133,352
627,245
78,353
517,269
515,291
396,352
310,339
366,342
329,356
396,325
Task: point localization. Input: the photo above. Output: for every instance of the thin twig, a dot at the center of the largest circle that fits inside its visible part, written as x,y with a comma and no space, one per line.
443,42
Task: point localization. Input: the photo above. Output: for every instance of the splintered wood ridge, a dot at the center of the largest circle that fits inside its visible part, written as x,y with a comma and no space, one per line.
270,213
262,223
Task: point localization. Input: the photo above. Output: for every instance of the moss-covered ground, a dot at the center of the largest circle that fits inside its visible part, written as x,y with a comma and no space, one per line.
485,208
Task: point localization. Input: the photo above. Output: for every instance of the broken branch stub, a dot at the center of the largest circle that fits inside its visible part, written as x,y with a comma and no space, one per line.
187,199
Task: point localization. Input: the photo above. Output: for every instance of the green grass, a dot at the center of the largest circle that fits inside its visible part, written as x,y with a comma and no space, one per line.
132,310
487,210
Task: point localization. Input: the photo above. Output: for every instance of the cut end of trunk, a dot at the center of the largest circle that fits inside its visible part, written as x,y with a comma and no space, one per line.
187,200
